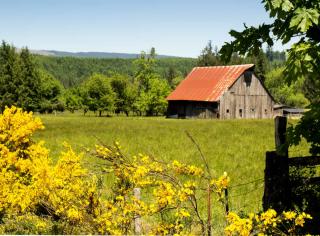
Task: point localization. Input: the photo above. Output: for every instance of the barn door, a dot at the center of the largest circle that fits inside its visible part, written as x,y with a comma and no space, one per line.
239,107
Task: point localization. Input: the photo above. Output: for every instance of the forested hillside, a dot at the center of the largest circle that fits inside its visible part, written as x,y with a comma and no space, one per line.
71,71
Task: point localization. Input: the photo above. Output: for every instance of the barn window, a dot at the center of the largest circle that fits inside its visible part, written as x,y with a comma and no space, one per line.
265,111
240,112
252,109
227,110
248,78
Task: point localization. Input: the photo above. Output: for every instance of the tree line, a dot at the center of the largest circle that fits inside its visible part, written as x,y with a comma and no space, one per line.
143,94
25,84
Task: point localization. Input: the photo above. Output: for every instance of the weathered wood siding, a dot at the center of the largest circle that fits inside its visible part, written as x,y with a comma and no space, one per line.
192,109
246,99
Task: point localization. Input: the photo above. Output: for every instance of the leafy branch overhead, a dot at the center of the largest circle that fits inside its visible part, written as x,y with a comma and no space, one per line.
249,41
291,19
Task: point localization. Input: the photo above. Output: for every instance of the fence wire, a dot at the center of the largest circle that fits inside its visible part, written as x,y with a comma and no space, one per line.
254,185
250,182
246,193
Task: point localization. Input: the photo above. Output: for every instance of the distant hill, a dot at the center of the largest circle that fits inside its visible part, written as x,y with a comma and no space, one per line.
91,54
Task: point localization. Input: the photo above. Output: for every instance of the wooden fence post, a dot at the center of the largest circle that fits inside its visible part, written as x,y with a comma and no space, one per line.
276,179
227,201
137,219
280,128
276,183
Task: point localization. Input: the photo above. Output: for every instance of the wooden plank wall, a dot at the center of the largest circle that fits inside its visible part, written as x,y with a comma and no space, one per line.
246,100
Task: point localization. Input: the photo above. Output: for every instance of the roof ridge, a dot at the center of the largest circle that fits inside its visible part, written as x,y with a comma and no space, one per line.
250,64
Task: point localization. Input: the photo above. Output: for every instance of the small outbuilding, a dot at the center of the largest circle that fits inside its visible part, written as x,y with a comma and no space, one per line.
224,92
290,112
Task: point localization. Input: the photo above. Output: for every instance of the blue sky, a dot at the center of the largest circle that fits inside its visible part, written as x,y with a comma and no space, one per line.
173,27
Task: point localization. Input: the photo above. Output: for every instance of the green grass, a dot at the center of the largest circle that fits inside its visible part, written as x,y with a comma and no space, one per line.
235,146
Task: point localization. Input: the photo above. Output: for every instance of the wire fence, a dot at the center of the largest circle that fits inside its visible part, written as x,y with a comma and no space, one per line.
238,191
247,192
247,183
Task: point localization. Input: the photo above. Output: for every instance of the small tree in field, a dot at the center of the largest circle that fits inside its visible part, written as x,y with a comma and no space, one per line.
126,93
73,100
51,93
152,90
101,97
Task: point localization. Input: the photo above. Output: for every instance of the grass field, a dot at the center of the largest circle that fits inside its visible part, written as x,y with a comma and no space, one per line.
235,146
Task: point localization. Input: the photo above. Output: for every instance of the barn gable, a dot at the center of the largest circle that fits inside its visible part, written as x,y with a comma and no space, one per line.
221,92
246,98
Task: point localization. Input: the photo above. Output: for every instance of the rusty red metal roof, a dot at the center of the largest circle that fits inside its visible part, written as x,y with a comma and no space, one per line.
207,83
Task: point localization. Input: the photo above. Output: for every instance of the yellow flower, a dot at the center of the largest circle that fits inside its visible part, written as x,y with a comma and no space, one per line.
300,220
182,213
289,215
269,217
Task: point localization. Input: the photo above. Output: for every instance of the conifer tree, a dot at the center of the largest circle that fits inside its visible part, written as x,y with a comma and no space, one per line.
29,88
9,75
19,79
208,57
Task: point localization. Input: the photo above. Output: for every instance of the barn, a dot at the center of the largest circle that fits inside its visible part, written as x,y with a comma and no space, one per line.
224,92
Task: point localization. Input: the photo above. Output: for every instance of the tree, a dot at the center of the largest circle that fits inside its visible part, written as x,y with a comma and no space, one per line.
170,75
73,100
269,53
311,89
153,53
19,78
125,93
176,81
29,83
100,94
208,57
260,69
152,90
290,19
145,70
9,75
283,93
50,93
157,96
153,101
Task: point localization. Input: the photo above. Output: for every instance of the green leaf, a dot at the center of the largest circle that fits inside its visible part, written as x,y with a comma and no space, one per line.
304,18
276,3
235,34
308,57
287,5
284,5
